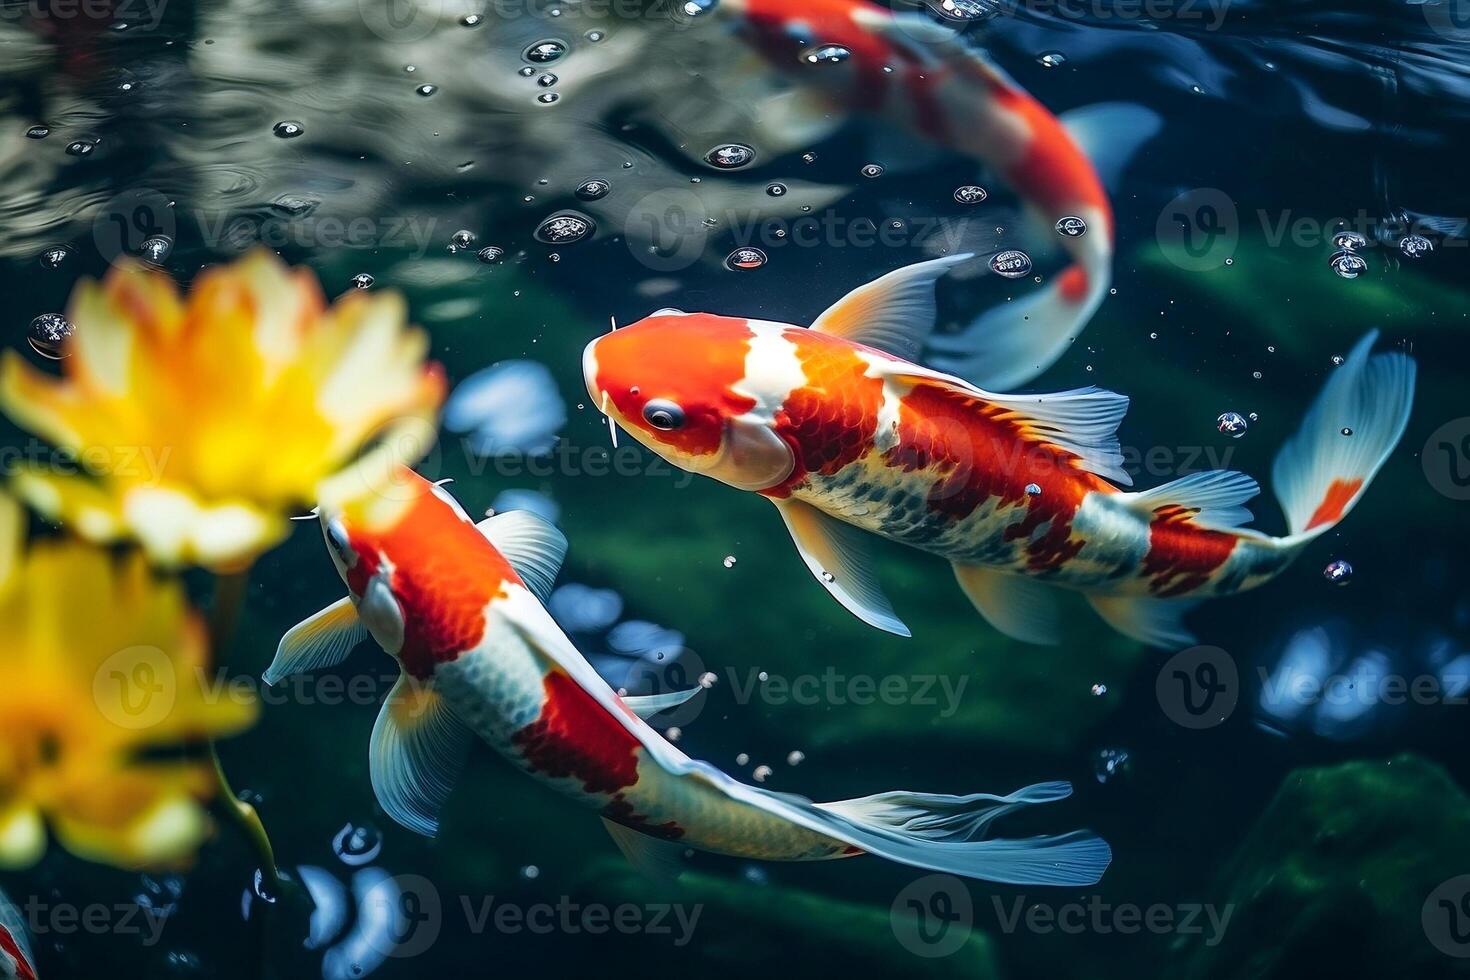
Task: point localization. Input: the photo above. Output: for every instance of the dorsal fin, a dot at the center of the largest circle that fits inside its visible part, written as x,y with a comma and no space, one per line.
894,313
532,545
1082,421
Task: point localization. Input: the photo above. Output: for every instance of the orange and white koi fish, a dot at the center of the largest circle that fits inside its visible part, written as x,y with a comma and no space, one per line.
917,74
844,434
16,961
459,606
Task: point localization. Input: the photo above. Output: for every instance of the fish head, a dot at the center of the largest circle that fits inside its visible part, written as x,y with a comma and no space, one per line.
678,382
370,536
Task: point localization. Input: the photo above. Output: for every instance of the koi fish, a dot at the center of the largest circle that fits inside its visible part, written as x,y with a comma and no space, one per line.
16,960
916,74
459,605
844,434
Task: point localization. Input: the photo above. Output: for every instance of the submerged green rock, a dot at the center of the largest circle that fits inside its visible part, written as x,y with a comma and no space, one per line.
1333,878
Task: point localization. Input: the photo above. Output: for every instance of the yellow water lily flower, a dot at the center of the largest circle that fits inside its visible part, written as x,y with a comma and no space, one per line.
104,682
198,425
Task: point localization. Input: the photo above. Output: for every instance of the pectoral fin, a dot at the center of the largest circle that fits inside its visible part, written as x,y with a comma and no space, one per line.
321,640
416,752
1022,608
659,859
838,556
532,545
645,706
1157,622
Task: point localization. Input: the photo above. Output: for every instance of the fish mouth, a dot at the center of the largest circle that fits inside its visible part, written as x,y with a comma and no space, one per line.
589,373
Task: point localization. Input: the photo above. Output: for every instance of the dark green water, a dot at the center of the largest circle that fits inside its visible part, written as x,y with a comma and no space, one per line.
1319,838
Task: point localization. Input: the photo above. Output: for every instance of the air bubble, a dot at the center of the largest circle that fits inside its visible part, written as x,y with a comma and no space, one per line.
156,249
545,52
594,189
730,156
357,844
1232,424
1071,226
1349,265
745,259
362,280
49,333
1338,572
565,227
1415,246
288,129
970,194
1012,264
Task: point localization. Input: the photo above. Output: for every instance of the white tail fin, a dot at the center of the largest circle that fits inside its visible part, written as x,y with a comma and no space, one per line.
946,833
1008,345
1352,427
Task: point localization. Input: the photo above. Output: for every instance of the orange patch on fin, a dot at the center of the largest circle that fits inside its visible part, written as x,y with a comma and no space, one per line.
1339,494
1072,284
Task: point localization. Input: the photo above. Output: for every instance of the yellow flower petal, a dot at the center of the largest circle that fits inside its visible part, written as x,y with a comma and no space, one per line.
22,836
205,421
104,663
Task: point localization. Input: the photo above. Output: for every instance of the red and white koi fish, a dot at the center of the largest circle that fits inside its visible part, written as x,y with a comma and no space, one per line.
459,606
917,74
16,960
844,434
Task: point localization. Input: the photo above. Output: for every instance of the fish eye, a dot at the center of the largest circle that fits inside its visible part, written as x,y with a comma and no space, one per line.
663,414
337,538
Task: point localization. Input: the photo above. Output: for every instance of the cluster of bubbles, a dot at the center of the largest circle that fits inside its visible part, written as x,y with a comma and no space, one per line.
1110,763
1346,261
826,54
